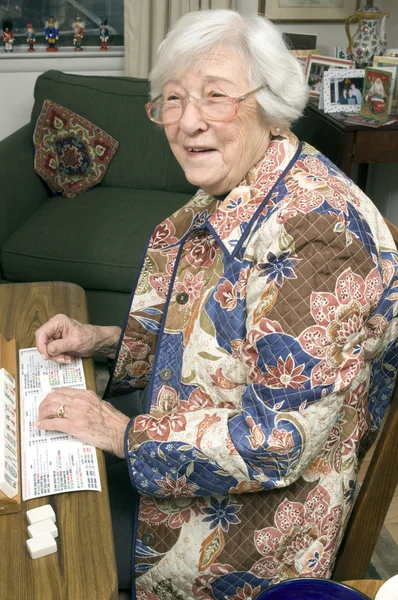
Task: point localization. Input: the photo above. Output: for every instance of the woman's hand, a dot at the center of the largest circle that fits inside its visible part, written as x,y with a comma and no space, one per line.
87,417
61,338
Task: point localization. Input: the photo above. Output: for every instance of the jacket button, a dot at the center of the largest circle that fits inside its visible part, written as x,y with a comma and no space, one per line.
148,539
182,298
166,374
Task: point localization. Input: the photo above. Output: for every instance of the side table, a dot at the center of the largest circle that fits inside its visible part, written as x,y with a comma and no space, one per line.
345,143
370,587
84,566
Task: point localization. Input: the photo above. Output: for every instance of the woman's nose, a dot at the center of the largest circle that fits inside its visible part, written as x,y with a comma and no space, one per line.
192,118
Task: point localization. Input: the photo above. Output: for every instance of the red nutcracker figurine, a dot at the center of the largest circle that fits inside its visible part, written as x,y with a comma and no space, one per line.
78,29
30,37
8,36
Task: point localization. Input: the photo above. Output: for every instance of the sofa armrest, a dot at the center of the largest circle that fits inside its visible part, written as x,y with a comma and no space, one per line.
22,191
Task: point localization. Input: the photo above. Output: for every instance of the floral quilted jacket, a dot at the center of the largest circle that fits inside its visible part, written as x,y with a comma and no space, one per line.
265,326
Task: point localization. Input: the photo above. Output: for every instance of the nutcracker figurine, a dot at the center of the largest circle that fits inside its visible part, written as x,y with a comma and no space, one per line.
30,37
104,34
8,36
78,30
51,32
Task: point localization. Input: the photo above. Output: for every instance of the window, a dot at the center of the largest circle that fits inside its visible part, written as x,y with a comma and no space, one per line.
91,13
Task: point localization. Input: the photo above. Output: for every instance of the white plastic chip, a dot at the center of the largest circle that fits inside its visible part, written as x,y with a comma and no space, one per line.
41,545
46,526
40,514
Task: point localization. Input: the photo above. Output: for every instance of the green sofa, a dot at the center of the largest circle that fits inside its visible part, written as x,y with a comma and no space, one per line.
97,238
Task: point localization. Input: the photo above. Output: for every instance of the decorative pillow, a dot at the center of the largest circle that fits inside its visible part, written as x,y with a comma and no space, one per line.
71,154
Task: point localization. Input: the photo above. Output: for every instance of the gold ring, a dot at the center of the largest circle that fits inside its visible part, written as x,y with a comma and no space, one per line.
61,411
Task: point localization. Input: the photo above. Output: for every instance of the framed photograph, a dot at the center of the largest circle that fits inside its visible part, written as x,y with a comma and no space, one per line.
342,90
302,56
376,92
342,52
303,62
317,66
308,10
305,53
300,41
391,62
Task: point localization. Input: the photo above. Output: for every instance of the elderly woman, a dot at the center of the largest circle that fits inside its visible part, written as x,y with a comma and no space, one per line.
259,327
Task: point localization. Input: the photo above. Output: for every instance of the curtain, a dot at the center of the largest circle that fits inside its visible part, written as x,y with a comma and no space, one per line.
146,23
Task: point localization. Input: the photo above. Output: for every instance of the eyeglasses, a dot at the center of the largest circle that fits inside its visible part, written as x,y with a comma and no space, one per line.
214,108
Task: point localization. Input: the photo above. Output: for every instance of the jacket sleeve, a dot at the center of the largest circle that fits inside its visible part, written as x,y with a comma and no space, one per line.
312,301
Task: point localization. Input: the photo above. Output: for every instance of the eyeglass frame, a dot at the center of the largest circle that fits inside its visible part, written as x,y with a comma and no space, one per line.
235,101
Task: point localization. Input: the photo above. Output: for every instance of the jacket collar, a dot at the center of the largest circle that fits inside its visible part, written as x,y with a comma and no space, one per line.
233,217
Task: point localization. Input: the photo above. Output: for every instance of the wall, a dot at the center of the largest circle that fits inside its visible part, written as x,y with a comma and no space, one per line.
329,35
391,6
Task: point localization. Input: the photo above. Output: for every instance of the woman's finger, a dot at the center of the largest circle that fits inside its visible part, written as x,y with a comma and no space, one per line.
42,340
72,412
52,411
61,358
59,348
48,407
57,424
82,399
46,334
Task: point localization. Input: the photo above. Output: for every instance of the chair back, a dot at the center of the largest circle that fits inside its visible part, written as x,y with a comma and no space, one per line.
375,495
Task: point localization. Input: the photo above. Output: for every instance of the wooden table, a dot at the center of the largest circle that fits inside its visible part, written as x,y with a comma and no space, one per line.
346,144
84,566
370,587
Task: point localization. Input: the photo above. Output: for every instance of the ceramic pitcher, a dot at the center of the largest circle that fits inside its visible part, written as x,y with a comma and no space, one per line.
369,40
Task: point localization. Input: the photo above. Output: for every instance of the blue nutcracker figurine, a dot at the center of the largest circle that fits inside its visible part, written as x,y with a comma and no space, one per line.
104,34
30,37
51,32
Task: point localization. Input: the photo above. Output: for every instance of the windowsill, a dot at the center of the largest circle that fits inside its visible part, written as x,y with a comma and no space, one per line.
90,59
21,52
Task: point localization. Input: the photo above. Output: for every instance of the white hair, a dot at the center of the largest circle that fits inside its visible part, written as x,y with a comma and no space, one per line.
261,45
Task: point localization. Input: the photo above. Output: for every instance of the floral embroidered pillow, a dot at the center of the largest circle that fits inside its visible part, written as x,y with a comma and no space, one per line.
71,153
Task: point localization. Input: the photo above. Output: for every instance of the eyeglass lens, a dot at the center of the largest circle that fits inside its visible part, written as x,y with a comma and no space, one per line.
217,109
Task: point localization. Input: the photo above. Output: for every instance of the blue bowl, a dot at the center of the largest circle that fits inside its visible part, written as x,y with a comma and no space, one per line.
311,589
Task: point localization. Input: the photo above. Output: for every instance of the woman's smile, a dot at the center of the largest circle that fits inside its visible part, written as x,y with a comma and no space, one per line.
198,152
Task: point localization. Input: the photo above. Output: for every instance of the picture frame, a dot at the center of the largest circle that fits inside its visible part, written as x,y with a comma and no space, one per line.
389,61
342,90
302,56
305,53
303,62
300,41
308,10
317,66
376,93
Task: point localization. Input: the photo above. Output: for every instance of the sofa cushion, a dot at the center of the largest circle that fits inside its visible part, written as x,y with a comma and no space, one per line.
71,153
100,251
117,105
